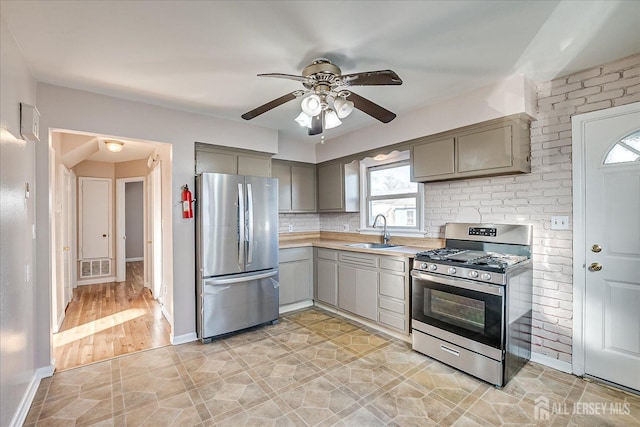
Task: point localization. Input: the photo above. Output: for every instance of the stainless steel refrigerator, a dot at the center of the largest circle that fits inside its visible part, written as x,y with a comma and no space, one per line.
236,253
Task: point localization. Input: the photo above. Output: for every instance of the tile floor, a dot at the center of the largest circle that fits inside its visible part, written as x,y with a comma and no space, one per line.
314,368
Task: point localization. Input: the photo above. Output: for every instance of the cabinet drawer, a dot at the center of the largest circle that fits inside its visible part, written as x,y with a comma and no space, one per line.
327,254
392,264
363,260
392,305
392,285
295,254
391,320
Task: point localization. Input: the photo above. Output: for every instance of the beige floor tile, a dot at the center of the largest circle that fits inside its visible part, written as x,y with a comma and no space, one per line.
312,368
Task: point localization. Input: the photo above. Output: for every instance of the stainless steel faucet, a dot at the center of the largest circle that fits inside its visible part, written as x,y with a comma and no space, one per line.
385,233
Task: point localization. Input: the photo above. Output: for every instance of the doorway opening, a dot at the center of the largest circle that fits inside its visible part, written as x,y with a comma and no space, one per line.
107,285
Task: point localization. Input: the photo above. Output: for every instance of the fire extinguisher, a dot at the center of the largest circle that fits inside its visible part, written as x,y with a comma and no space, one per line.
187,210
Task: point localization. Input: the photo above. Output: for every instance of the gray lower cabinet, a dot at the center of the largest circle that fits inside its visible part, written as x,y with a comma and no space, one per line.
326,274
296,275
375,287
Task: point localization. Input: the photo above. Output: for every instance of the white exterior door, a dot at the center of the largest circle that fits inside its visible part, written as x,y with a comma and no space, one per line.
96,207
611,249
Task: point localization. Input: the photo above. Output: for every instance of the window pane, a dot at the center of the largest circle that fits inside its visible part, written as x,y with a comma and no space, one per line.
391,181
626,150
399,212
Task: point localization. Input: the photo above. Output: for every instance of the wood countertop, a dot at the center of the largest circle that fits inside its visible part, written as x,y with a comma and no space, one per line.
407,247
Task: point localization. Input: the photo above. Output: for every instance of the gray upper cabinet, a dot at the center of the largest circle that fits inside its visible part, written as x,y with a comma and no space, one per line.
496,147
339,187
213,158
296,186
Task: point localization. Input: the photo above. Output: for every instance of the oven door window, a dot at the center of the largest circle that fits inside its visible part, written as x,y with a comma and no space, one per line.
469,313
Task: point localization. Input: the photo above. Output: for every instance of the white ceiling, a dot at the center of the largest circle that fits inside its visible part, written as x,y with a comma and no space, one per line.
203,56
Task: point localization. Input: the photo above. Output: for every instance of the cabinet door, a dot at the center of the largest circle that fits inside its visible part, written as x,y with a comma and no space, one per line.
483,150
295,281
254,166
367,293
282,172
209,161
330,187
327,281
432,159
347,277
303,188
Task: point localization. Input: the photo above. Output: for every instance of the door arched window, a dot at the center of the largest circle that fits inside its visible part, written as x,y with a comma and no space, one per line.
625,150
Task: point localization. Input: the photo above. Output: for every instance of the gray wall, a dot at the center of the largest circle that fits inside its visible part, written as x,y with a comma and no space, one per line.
18,297
134,228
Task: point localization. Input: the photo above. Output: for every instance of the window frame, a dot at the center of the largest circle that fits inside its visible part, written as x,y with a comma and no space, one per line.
393,160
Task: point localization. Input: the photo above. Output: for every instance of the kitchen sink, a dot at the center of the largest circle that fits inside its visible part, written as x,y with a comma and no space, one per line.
372,245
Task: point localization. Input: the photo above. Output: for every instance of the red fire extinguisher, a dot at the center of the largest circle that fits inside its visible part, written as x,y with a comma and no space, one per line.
187,210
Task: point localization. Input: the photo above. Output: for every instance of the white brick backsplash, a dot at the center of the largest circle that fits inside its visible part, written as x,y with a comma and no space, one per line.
584,75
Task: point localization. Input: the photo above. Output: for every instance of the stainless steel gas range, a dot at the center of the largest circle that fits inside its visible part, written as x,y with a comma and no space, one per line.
472,300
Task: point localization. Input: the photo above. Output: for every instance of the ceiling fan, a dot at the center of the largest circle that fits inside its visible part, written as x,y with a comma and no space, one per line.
328,101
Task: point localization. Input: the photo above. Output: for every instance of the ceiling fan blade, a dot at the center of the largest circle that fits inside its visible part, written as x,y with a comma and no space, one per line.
270,105
285,76
317,125
371,108
371,78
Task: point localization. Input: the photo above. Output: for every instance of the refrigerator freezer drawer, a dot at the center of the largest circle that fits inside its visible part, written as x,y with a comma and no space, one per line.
239,301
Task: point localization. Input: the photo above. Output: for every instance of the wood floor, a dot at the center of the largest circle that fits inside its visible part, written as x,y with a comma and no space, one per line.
108,320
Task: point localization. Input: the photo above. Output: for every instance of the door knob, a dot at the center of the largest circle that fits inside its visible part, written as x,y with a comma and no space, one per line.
104,235
595,266
596,248
66,248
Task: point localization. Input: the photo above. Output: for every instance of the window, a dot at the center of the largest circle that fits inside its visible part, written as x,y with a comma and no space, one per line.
625,150
390,192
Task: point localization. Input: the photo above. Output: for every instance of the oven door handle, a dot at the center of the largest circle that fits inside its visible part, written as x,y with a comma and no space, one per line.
459,283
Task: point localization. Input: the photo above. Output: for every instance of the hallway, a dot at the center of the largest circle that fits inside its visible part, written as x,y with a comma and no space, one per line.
107,320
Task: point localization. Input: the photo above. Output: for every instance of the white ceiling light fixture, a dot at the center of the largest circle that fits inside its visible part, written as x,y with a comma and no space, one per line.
312,105
331,119
114,146
342,106
304,120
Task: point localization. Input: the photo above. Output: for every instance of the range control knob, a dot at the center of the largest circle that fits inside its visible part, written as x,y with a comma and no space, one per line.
473,274
433,267
423,266
452,270
486,276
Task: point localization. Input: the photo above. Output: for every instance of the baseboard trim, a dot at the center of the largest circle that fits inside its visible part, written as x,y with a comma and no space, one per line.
102,279
295,306
134,259
22,411
552,363
183,339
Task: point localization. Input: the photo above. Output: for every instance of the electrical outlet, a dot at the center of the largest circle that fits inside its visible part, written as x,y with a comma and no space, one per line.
345,227
559,222
290,228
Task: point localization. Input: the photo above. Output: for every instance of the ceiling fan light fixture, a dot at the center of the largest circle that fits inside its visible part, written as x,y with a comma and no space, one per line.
304,119
331,119
343,107
114,146
312,105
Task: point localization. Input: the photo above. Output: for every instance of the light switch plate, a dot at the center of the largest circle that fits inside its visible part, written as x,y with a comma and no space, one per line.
559,222
290,228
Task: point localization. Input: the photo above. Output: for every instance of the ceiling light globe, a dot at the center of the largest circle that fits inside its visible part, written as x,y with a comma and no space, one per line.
312,105
304,119
114,146
331,119
343,107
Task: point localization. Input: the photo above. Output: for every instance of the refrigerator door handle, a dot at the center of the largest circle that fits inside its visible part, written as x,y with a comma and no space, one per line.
241,225
240,279
250,226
